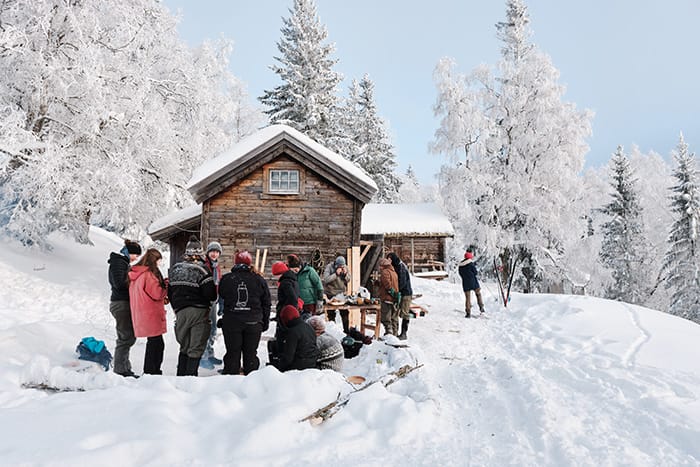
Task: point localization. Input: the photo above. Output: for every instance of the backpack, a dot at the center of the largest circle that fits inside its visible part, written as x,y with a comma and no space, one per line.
94,350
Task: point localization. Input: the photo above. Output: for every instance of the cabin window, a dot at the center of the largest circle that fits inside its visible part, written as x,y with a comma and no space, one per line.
284,181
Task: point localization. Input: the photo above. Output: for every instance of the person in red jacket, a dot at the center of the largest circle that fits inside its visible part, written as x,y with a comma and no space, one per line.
147,293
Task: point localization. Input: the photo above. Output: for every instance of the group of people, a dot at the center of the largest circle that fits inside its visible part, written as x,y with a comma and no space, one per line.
204,300
239,303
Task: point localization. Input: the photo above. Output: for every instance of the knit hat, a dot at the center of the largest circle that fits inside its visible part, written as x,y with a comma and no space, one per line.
317,323
243,257
194,247
279,268
339,261
288,313
468,255
214,246
132,247
293,261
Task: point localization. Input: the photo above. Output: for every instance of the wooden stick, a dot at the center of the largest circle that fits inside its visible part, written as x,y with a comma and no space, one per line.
257,255
262,263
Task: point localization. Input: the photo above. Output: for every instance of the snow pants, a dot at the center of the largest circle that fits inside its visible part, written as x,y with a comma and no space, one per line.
125,335
192,327
241,339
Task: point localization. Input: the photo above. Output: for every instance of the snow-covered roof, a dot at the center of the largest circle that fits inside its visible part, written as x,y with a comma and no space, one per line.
246,151
165,226
413,219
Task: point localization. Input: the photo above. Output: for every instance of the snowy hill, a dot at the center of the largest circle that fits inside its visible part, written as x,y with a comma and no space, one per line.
552,380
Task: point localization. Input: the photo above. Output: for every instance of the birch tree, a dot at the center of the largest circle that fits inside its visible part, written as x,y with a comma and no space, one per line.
515,150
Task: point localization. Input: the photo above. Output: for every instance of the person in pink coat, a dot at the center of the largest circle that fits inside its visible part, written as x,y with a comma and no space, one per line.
147,295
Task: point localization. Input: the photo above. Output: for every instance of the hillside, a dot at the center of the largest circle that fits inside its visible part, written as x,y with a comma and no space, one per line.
552,380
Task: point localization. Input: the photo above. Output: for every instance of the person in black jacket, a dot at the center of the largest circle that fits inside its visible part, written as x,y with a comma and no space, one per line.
287,289
467,272
191,290
406,293
246,299
297,342
119,305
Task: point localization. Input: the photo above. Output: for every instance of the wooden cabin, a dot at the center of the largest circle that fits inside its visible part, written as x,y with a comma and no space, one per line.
277,190
417,233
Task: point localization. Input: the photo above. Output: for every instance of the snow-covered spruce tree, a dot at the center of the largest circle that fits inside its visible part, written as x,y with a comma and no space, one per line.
371,147
307,98
410,190
682,260
522,148
105,113
623,244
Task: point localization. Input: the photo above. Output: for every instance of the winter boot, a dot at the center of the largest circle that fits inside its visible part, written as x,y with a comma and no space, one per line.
182,364
468,314
206,363
192,366
404,329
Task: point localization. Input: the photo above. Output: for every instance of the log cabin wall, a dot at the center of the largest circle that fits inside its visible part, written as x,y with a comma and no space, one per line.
425,248
247,216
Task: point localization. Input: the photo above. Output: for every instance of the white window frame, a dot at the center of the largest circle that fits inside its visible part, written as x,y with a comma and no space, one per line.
284,183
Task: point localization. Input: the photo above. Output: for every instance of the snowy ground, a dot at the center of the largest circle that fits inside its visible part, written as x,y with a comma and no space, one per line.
553,380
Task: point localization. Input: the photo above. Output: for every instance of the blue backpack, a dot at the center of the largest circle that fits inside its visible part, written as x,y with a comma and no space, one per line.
93,350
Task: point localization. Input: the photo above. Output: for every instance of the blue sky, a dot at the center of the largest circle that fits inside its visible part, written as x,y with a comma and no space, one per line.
635,63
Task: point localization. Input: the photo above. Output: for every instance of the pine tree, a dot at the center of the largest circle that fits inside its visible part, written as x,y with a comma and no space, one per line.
522,148
623,238
682,260
306,100
371,148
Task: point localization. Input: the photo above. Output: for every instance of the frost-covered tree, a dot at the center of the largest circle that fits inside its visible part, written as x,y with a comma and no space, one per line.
623,243
682,260
521,147
371,148
410,190
105,113
307,98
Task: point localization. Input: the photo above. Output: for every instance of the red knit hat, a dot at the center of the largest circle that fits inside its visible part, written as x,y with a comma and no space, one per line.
468,255
243,257
279,268
288,313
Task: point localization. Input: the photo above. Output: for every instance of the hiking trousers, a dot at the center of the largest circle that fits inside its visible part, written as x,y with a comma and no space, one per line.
479,301
192,328
125,335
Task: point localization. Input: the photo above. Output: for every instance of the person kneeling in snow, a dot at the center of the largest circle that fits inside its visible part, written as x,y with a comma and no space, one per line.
331,353
297,341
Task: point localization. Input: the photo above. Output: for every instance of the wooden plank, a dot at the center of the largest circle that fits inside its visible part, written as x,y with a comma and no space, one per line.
357,269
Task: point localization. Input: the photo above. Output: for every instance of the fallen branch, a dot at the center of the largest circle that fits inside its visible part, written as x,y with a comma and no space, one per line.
47,388
327,411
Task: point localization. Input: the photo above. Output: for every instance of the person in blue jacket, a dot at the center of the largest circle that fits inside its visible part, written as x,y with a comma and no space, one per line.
467,272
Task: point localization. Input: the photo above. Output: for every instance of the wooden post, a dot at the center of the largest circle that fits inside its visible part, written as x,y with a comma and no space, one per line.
262,263
351,270
356,269
257,256
413,259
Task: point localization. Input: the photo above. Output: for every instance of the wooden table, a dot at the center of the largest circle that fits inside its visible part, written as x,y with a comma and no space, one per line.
357,315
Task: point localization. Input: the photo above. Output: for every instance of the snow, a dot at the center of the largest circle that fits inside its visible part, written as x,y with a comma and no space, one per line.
553,380
409,218
174,218
264,138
